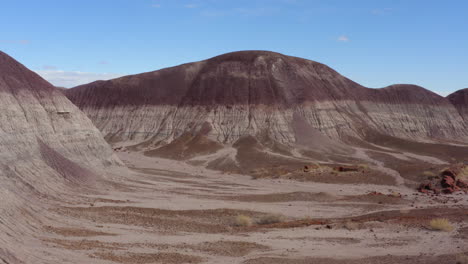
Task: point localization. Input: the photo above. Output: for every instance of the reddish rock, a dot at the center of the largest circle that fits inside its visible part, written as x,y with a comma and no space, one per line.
346,168
424,187
375,193
448,181
448,190
428,188
450,173
423,190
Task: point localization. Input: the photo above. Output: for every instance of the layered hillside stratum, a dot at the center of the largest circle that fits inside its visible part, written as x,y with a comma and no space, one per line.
252,93
48,146
460,100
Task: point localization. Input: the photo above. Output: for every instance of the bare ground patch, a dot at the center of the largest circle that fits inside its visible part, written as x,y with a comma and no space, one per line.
412,169
312,197
336,240
141,258
84,244
421,259
229,248
76,232
412,218
217,248
281,197
198,221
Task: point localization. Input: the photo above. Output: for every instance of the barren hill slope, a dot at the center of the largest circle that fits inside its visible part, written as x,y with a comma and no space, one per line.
258,92
47,146
460,100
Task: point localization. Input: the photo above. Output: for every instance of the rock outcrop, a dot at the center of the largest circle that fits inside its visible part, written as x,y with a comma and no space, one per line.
449,181
258,92
47,145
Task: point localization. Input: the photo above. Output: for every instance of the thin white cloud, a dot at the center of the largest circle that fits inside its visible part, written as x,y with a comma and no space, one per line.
70,79
381,11
191,6
156,5
343,38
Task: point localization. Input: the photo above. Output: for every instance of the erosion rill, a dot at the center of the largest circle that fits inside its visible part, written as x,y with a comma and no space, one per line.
48,147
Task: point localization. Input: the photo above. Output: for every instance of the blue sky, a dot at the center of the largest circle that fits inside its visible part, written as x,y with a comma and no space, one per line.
375,43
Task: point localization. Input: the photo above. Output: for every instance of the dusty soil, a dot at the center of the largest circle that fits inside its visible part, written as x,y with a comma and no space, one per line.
424,259
133,258
412,169
166,211
450,153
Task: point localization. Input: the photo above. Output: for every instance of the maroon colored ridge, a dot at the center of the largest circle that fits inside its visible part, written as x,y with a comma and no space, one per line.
460,100
14,77
241,78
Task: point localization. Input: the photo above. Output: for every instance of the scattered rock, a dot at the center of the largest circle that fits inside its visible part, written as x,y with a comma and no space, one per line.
448,185
346,168
448,181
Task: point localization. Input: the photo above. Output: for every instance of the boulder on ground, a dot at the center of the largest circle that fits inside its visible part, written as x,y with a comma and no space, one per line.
448,181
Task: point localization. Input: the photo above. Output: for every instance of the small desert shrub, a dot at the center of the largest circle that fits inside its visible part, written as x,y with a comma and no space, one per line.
243,220
441,224
270,219
363,166
429,174
463,175
351,225
395,194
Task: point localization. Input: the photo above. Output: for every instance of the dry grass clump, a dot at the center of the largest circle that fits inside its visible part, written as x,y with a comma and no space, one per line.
429,174
463,175
243,220
364,166
270,219
441,224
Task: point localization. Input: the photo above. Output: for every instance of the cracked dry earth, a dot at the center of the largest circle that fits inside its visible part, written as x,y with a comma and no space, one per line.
165,211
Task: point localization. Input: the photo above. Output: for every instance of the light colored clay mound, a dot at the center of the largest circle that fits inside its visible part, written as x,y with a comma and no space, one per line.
308,137
188,145
47,147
